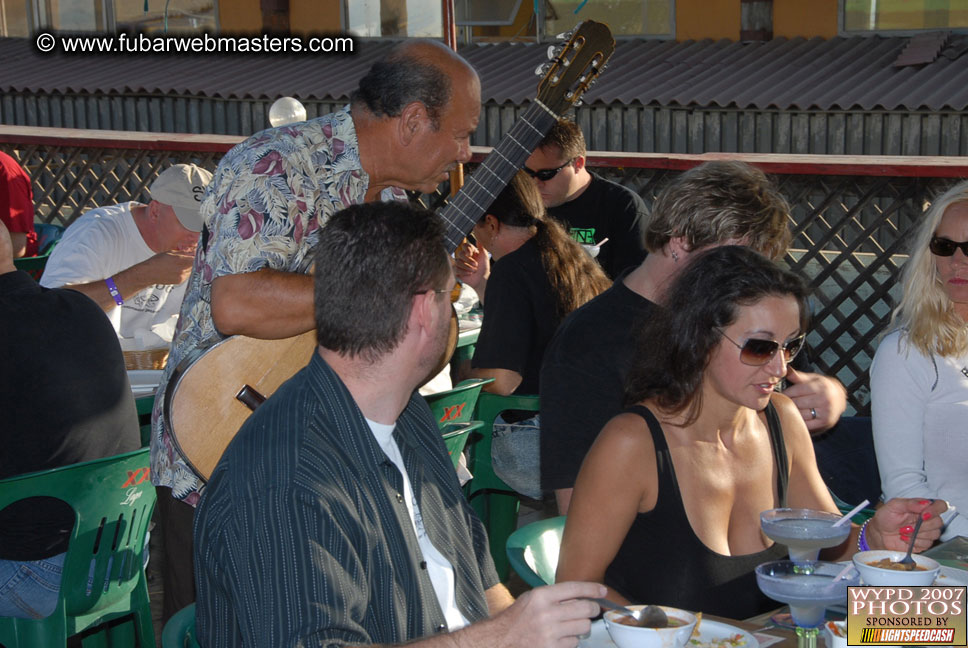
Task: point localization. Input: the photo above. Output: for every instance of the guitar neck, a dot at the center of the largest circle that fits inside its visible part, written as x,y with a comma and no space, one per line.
464,210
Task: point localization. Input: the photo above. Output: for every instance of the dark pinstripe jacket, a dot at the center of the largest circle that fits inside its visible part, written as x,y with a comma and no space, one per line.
302,537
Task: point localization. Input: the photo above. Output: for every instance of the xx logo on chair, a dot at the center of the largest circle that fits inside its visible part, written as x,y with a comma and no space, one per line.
452,412
135,477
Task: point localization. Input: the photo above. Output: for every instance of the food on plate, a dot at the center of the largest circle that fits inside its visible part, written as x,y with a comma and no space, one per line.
730,641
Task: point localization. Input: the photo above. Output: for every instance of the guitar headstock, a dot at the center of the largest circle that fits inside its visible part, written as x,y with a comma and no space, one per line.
575,65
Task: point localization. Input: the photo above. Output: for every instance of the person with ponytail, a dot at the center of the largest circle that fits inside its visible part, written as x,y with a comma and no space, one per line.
536,275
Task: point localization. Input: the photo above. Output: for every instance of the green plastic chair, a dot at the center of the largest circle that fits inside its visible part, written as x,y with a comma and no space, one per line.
456,405
533,550
495,502
179,632
47,237
103,576
455,437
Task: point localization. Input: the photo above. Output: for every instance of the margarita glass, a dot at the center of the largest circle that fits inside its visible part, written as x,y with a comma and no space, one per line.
804,531
808,588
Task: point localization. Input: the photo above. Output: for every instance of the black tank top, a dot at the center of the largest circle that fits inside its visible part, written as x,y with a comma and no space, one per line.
688,574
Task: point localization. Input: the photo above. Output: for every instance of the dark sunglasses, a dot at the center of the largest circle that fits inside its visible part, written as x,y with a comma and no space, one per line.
454,292
757,352
946,247
546,174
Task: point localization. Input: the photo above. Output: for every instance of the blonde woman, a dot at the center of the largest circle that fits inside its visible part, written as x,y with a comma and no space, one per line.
919,377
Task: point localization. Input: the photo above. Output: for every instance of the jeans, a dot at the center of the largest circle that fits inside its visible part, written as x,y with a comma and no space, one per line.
515,455
29,590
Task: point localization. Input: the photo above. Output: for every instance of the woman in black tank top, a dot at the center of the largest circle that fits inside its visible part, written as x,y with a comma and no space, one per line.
666,506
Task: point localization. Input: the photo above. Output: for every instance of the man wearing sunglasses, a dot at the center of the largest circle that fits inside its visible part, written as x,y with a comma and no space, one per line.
592,208
582,378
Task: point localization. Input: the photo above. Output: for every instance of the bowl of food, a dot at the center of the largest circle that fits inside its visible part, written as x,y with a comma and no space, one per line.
882,568
626,634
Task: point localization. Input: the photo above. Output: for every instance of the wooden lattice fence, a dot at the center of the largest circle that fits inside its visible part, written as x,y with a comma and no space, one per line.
851,217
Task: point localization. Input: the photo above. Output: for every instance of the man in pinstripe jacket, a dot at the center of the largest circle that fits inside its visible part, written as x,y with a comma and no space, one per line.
335,517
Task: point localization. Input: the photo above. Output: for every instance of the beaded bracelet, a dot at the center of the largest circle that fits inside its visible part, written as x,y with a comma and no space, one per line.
113,289
862,538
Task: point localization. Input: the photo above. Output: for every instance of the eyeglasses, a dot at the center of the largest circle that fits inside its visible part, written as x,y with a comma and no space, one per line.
454,292
943,247
757,352
546,174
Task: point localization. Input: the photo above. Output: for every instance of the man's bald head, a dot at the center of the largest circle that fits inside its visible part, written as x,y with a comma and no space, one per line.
422,70
6,251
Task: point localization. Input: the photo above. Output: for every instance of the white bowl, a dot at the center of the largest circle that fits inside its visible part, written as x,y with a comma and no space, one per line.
626,636
592,250
880,576
838,640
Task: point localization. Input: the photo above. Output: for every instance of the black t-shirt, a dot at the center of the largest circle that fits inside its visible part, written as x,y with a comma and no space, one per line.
519,317
583,379
64,399
607,210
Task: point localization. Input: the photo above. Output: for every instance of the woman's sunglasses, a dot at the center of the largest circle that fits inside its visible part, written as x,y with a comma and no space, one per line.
946,247
757,352
544,175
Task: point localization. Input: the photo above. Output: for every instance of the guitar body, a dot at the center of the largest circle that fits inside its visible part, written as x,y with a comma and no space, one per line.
202,411
208,401
202,408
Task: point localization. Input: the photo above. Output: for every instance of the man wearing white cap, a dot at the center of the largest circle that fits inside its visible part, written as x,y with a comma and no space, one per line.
133,259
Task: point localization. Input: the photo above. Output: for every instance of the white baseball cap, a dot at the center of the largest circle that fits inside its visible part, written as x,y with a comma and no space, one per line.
182,186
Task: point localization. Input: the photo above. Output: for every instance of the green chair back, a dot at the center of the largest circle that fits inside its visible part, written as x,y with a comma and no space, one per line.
495,502
47,237
103,577
533,550
456,405
455,437
179,632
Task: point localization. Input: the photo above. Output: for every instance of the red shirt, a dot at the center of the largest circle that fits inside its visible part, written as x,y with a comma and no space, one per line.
17,201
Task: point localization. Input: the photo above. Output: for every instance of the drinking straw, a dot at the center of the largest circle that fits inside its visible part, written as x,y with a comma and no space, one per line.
850,514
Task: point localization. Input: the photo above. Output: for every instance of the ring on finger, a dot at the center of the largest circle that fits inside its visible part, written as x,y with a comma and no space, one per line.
813,413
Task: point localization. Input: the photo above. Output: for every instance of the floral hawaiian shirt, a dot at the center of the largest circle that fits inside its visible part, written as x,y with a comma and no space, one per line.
263,209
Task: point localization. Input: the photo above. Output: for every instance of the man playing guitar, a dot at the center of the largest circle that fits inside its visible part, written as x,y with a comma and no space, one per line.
407,125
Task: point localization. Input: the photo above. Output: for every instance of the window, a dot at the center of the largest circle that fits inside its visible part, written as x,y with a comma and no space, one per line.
624,17
904,15
21,17
417,18
183,15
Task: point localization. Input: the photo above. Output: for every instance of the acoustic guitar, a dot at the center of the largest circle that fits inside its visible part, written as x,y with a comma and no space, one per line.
208,400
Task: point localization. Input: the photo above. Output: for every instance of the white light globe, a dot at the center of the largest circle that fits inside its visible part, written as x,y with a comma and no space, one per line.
286,110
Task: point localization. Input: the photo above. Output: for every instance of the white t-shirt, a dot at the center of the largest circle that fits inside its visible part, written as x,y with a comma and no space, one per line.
439,569
101,243
920,416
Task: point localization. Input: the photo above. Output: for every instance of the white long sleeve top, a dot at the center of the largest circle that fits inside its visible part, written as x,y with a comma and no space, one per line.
919,406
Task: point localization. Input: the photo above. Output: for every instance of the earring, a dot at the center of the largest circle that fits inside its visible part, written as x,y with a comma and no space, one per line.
675,257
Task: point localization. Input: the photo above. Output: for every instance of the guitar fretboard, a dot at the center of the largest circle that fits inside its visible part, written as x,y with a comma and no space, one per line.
464,210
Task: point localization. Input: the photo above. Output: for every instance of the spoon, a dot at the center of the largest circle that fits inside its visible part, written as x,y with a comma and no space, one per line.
907,560
650,616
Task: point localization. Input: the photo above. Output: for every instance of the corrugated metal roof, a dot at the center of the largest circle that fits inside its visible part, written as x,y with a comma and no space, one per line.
786,74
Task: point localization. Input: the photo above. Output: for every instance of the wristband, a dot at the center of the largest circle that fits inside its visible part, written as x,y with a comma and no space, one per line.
113,289
862,538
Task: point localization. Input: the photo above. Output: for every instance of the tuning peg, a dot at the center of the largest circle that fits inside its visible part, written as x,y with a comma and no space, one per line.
542,69
553,51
